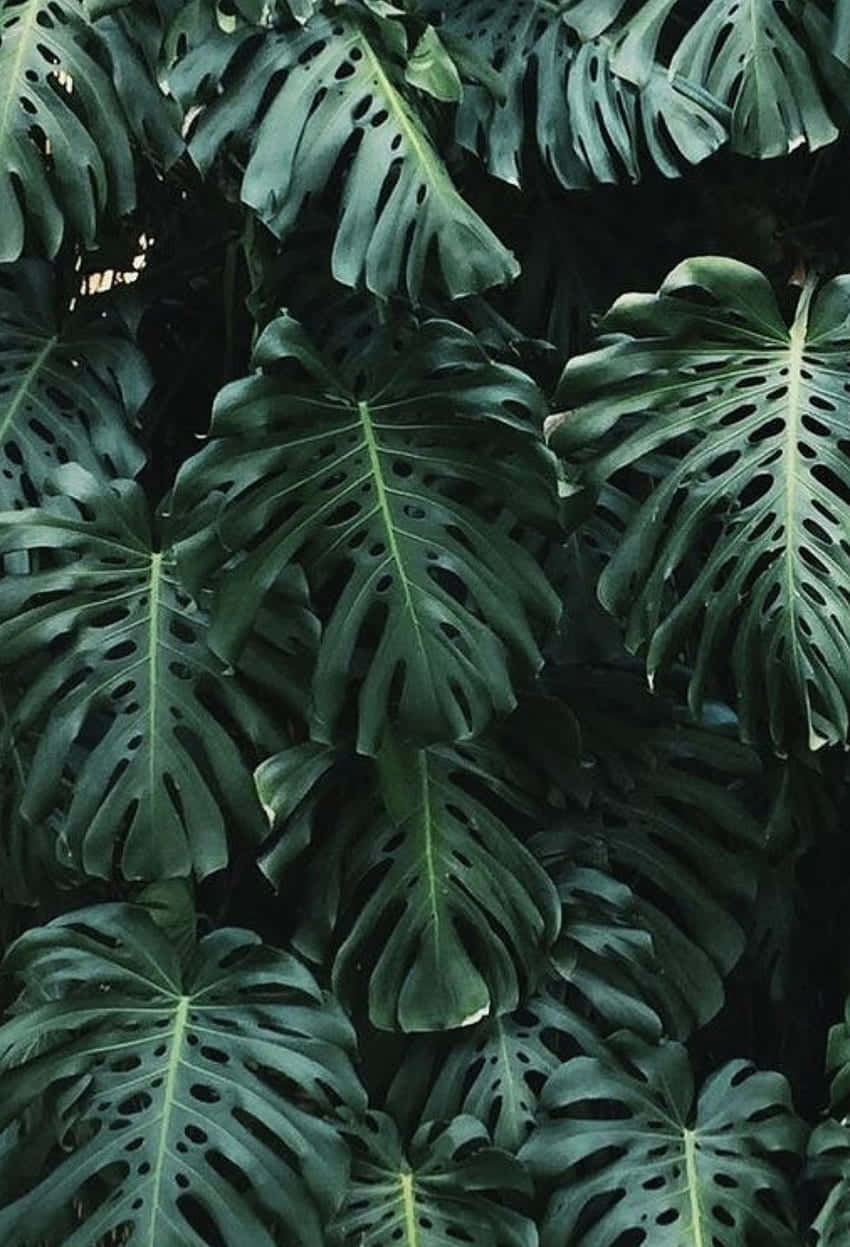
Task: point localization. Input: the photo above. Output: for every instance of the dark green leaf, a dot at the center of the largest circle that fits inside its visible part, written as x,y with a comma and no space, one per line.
387,500
632,1155
125,693
67,390
211,1089
53,91
733,424
448,1190
307,98
430,897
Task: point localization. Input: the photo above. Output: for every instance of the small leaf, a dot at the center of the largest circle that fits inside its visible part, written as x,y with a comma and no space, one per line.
432,69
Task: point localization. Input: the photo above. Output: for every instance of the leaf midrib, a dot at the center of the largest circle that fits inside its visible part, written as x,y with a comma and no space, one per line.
797,342
154,589
26,381
180,1020
373,453
433,170
692,1179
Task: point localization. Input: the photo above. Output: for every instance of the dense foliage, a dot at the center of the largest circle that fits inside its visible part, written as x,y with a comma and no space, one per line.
424,623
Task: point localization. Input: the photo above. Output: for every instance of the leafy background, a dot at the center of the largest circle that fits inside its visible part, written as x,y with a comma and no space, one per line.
424,680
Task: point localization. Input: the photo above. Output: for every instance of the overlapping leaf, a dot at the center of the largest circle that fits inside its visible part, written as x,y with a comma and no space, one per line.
419,886
126,696
181,1099
753,55
601,102
64,154
388,500
633,1156
448,1190
494,1070
653,844
67,391
828,1166
326,98
735,427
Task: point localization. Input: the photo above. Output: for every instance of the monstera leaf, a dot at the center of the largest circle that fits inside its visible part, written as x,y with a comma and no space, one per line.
67,391
734,428
448,1190
828,1166
602,102
427,892
182,1100
752,55
132,44
64,154
312,98
632,1156
125,693
494,1070
651,842
387,499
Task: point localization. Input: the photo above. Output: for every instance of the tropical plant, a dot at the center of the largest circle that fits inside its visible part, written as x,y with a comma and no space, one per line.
423,800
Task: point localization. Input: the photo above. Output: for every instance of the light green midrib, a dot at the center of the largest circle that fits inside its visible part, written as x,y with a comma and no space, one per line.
434,172
180,1020
153,659
428,842
24,37
386,516
408,1203
692,1178
797,342
24,387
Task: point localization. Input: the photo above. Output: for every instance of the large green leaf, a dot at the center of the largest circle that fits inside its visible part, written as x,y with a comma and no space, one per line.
651,840
494,1070
387,498
448,1190
429,896
315,97
143,734
68,390
603,106
734,428
752,55
183,1099
64,154
632,1155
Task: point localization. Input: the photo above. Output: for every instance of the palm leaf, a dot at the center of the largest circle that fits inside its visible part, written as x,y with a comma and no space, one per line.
449,1189
312,98
387,500
418,885
127,697
208,1092
633,1156
734,428
64,154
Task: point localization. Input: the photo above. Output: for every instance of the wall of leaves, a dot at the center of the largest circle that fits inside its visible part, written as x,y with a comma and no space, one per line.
424,623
